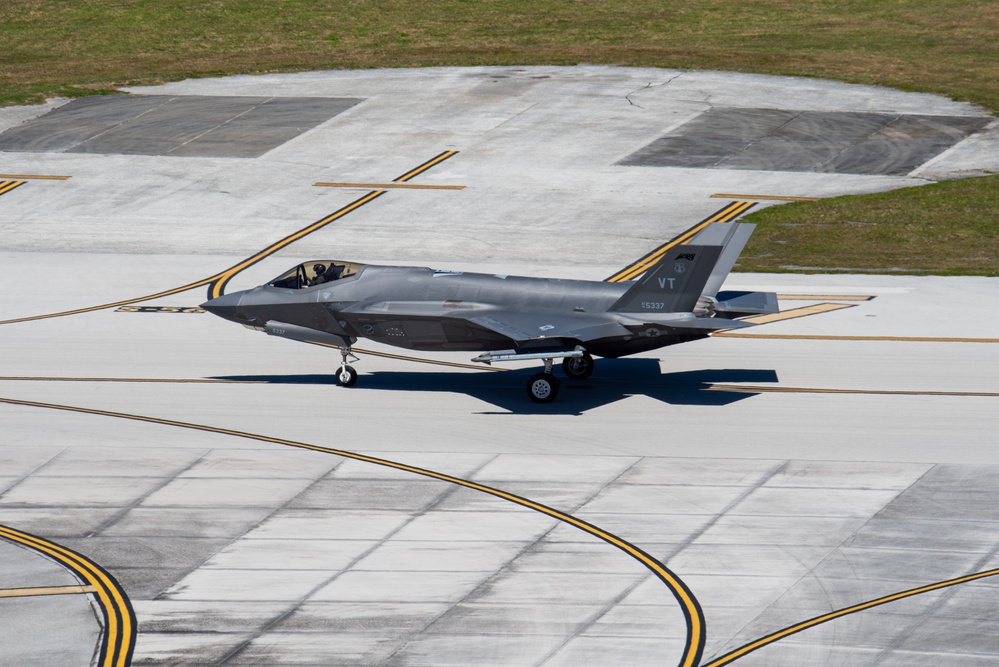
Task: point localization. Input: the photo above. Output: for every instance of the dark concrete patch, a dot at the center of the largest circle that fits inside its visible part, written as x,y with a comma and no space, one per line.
810,141
187,126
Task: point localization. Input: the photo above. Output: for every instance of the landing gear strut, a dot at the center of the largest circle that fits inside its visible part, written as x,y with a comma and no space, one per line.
346,376
543,387
578,368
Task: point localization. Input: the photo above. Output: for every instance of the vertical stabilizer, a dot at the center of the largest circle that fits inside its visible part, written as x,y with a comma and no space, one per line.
674,283
732,236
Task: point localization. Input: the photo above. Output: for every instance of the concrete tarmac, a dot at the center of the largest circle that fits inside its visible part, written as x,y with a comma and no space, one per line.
817,490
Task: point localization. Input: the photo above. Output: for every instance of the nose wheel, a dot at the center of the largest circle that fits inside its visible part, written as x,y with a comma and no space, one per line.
543,387
346,376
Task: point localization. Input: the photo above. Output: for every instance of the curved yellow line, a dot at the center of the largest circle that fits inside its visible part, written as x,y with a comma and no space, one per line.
119,636
825,618
126,302
219,281
689,605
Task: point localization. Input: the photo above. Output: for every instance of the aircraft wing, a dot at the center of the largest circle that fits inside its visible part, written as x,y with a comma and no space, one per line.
534,328
522,327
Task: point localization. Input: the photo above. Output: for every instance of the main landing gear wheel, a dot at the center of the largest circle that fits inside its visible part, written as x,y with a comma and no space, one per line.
346,376
542,387
578,368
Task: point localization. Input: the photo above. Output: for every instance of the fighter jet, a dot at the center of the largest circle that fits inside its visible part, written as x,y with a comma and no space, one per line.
507,318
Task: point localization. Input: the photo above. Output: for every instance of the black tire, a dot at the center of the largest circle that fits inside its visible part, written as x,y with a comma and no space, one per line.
542,387
578,368
346,376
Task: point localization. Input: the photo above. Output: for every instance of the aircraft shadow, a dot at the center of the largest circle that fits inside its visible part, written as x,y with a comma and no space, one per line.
612,381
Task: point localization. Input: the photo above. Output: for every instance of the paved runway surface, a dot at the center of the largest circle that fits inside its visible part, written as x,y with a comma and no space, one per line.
818,490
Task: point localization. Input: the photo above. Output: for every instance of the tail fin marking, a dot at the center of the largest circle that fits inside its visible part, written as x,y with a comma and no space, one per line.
674,283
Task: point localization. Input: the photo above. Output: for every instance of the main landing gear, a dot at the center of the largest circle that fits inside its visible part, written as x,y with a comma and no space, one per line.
543,387
578,368
346,376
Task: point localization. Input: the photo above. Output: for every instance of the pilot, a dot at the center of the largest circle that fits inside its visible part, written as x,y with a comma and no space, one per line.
320,271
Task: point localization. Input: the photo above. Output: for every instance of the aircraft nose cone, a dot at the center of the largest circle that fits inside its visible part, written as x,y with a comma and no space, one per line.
224,306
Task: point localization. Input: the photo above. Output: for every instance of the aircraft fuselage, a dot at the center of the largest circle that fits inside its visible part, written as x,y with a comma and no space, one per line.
433,310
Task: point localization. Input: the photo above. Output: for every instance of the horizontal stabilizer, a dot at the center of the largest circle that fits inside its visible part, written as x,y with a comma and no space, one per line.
741,304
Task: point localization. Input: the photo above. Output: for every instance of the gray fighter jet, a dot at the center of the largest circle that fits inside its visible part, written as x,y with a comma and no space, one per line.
507,318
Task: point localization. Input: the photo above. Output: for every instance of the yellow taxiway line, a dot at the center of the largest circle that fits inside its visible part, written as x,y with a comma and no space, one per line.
118,639
825,297
765,389
825,618
216,283
7,186
389,186
36,176
725,214
795,313
765,197
45,590
696,629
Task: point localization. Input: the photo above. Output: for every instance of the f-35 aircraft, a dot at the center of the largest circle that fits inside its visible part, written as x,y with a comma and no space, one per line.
506,318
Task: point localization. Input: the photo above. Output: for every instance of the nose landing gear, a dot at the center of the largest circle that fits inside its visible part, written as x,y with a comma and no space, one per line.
346,376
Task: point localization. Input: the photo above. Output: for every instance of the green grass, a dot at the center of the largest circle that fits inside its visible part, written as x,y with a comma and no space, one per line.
78,47
944,46
946,228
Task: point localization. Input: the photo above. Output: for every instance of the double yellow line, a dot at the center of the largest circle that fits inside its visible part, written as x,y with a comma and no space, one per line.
217,283
118,640
7,186
825,618
696,629
726,214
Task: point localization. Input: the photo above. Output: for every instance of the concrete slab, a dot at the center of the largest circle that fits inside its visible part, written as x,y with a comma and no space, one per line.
807,141
184,126
68,623
398,587
343,648
181,616
607,650
377,618
539,136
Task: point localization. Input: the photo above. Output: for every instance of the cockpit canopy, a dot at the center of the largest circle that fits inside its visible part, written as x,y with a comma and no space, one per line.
316,272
